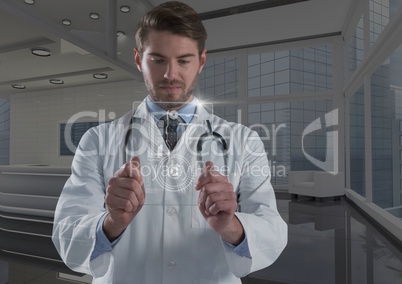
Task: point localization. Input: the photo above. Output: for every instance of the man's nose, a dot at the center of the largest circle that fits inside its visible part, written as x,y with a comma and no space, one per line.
171,71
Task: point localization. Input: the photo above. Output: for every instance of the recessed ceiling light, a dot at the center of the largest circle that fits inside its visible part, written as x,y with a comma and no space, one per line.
29,2
41,51
94,16
120,33
18,86
56,81
100,76
66,22
125,9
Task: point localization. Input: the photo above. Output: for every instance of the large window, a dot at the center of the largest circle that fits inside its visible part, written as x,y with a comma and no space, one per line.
218,82
71,134
272,123
291,71
375,115
356,47
379,18
282,127
386,116
286,91
294,71
394,5
280,124
356,129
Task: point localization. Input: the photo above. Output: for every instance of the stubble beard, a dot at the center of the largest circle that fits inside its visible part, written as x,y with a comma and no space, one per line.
167,101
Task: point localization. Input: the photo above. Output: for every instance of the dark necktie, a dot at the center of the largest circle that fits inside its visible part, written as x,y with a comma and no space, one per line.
170,130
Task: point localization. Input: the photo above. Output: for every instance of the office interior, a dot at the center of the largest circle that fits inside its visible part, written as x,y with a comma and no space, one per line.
319,80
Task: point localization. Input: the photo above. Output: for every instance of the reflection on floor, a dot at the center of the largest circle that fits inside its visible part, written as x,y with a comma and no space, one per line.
329,242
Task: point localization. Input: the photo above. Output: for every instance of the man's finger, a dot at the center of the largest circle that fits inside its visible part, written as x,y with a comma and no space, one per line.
208,166
209,175
131,170
135,169
226,206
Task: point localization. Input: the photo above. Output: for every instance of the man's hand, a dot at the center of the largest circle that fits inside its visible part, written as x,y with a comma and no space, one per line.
125,197
217,203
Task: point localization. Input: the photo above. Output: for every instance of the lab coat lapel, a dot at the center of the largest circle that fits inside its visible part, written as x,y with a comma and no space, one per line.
149,132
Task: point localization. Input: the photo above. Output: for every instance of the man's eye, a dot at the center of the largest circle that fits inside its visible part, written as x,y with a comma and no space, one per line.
182,61
158,61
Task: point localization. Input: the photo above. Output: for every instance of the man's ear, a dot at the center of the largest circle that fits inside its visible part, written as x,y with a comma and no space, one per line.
203,59
137,58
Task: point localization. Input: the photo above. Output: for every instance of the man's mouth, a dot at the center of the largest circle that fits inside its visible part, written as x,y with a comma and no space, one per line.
170,87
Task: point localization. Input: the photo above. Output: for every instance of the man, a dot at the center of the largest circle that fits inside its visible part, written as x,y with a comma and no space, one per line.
124,224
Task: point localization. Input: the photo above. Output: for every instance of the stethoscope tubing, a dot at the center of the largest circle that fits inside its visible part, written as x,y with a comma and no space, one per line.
210,133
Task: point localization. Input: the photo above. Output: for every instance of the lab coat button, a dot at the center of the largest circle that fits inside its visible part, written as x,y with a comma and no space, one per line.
171,211
171,264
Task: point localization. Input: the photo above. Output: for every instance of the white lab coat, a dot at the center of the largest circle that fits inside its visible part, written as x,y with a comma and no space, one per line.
168,241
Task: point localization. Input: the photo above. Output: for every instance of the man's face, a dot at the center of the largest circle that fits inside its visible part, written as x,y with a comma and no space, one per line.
170,65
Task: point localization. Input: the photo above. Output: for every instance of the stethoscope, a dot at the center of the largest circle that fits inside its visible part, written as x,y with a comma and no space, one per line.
215,136
207,135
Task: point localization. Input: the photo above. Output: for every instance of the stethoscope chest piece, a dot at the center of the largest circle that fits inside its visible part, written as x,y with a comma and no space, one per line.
173,114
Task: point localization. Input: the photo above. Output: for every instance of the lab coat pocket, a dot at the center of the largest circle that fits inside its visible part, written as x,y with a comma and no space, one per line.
197,220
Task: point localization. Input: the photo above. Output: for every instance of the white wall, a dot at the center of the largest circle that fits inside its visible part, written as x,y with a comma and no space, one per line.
35,117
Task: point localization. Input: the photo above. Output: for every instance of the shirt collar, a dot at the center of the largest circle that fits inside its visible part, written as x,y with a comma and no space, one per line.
186,112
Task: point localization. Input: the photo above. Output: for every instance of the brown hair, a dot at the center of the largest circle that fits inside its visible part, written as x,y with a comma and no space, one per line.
175,17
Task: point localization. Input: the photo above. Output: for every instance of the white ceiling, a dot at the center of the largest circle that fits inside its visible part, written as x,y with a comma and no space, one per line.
84,48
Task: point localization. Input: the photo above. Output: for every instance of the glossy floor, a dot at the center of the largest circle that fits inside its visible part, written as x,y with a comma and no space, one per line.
329,242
